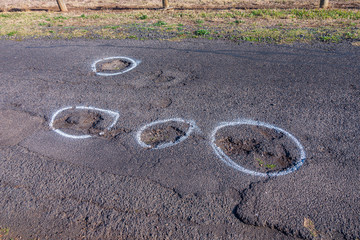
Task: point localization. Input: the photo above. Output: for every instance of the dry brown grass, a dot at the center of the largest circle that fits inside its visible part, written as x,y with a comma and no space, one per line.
279,26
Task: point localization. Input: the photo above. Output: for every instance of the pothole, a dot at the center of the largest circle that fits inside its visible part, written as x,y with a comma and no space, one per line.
84,122
258,148
164,133
163,78
113,66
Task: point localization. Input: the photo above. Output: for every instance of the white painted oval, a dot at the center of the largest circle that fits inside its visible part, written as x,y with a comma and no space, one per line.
228,161
133,64
115,115
192,127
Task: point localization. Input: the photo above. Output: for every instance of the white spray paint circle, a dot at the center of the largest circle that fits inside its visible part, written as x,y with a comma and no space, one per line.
133,64
115,115
192,127
228,161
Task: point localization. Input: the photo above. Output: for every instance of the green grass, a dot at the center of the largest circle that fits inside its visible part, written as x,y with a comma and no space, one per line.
10,34
60,17
143,17
261,25
113,27
160,23
201,32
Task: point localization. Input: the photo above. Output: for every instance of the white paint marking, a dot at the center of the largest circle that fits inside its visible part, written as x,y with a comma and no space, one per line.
191,129
115,115
133,64
228,161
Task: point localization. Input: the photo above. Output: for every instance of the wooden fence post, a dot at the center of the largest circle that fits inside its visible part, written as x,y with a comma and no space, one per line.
324,4
62,5
165,4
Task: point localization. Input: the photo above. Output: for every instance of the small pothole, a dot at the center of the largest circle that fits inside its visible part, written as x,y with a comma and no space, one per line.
85,122
164,133
113,66
155,137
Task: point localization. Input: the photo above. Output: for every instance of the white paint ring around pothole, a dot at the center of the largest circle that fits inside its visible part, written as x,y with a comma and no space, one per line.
228,161
192,128
133,64
115,115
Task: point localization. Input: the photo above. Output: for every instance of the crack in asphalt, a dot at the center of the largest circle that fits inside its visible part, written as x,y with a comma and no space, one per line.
105,206
243,194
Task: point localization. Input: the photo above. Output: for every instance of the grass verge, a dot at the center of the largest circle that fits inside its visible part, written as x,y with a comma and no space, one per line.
262,25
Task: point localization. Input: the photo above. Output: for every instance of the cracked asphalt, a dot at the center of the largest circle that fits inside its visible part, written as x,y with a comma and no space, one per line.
55,187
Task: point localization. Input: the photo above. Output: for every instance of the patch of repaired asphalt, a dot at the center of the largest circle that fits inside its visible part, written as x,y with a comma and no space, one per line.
16,126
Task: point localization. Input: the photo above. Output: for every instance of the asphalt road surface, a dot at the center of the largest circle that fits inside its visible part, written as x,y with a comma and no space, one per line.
65,184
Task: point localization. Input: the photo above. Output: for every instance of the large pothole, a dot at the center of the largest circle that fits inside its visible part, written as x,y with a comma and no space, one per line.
258,149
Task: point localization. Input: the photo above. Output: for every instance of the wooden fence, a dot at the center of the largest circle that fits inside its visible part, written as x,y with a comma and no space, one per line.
165,4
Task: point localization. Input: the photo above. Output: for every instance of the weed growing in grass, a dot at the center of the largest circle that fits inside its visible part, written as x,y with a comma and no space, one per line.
201,32
160,23
60,17
143,17
10,34
113,27
95,16
330,38
239,21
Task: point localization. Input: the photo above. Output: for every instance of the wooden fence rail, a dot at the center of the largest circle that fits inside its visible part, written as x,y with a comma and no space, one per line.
165,3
